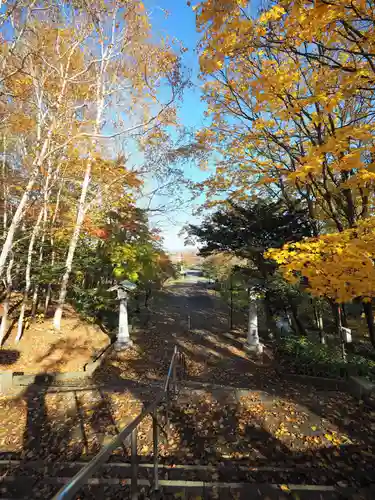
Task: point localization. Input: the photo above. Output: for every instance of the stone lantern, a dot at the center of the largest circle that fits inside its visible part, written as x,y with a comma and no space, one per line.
253,343
123,338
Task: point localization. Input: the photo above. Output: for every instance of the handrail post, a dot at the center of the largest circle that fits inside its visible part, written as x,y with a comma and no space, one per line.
167,405
134,466
174,378
155,434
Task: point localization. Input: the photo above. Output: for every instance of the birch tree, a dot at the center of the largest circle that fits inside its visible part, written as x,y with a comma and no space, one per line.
46,85
75,79
128,69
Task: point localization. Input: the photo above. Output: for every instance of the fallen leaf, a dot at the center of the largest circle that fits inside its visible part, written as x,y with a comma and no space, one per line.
284,487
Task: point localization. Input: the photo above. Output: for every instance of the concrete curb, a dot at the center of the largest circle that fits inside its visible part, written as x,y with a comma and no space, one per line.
9,379
330,384
362,389
358,387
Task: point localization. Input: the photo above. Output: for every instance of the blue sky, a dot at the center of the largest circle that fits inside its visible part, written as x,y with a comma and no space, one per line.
180,24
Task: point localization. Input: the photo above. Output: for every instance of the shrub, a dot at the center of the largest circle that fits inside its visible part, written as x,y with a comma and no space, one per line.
301,355
92,303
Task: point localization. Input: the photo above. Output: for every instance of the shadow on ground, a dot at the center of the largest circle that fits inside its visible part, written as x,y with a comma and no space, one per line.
8,356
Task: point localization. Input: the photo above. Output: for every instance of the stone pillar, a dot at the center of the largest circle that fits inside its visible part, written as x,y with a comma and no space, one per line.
123,337
252,329
253,344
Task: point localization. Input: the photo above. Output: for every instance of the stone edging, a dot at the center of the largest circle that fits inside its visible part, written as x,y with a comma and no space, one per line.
330,384
359,387
10,379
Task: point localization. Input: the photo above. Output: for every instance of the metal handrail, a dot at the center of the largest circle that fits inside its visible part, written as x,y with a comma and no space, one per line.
171,373
78,480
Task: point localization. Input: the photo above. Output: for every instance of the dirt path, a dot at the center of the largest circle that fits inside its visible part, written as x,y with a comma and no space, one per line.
213,353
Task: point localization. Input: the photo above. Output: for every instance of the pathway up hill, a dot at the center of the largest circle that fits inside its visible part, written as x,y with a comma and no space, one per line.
236,408
235,424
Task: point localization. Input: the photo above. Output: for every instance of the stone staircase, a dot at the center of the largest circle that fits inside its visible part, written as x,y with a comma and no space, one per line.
178,481
218,447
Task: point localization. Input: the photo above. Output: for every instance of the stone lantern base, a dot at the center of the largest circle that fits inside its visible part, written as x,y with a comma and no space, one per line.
254,348
121,345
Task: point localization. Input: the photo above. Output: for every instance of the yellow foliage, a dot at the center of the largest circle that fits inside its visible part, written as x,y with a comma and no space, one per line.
19,122
290,97
273,14
283,114
338,265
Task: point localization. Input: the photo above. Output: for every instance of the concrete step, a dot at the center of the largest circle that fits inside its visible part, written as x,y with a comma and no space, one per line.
21,477
108,487
116,466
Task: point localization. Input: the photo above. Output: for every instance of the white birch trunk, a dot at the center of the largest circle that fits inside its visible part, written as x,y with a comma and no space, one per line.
44,223
72,247
34,301
4,320
36,288
34,235
17,217
48,298
5,189
18,214
81,212
37,163
52,241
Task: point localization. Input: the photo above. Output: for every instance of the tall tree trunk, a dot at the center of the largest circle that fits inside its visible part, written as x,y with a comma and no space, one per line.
81,212
72,248
52,242
41,249
34,235
342,320
342,342
295,321
6,303
367,309
46,193
18,214
5,189
344,316
17,217
35,301
336,308
271,326
36,166
319,321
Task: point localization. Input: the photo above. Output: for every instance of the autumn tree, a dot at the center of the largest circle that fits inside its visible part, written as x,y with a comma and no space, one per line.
78,82
247,230
289,93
